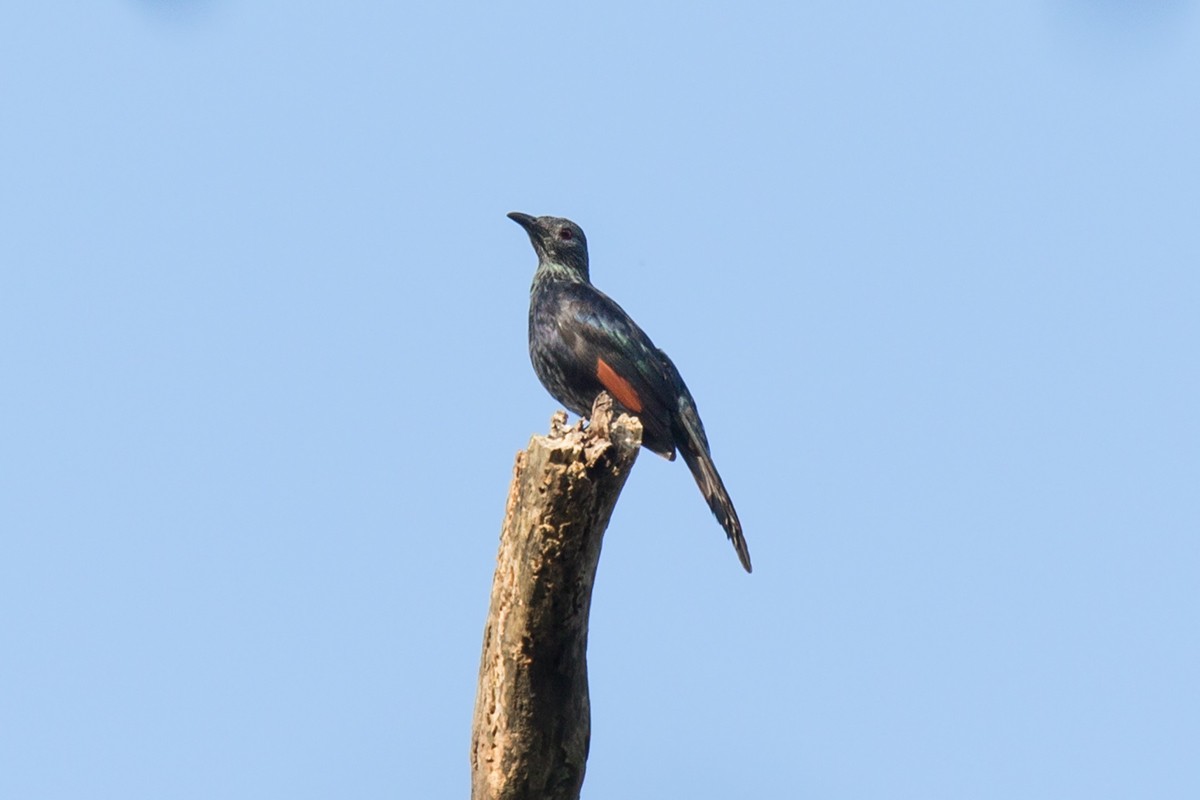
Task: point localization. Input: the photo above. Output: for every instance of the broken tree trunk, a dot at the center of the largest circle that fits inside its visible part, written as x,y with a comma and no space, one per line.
529,739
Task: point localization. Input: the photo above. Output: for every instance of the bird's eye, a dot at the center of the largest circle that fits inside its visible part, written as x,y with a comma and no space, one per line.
565,234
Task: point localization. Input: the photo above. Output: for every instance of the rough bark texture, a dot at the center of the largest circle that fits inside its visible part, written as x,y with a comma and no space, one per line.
532,718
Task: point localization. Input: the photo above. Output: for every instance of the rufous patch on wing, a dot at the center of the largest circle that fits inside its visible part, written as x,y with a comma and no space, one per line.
621,390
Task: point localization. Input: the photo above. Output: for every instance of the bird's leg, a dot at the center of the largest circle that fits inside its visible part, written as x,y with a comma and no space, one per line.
602,408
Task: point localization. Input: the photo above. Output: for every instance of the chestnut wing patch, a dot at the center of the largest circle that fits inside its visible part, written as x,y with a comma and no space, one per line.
621,389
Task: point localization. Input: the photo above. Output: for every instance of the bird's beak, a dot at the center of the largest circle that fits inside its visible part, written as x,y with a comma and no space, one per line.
524,220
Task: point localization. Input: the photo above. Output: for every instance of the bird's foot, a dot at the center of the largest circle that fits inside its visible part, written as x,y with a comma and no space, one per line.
601,418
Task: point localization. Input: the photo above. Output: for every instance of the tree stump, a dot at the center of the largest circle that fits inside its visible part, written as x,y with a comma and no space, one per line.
532,716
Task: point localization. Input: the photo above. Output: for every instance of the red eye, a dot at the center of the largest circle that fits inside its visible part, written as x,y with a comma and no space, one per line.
565,234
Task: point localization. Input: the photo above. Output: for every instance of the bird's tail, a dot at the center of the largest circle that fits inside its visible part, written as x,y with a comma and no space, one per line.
693,446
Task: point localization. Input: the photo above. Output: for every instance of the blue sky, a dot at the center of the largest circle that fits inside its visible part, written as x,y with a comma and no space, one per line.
931,273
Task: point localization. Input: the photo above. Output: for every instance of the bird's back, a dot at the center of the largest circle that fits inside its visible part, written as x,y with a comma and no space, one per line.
581,343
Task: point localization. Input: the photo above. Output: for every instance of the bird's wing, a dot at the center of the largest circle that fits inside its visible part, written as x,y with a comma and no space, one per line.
620,357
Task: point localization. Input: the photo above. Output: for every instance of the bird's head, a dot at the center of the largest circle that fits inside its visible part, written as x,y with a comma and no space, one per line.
557,241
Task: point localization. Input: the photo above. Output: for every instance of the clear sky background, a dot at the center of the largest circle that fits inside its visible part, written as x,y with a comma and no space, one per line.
931,270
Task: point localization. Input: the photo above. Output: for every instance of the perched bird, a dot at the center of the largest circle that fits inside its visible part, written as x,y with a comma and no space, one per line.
581,343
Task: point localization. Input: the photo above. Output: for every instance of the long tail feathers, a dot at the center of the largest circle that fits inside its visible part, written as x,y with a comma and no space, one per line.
693,446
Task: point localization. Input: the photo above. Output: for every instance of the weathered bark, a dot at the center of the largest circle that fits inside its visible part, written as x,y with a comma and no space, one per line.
532,722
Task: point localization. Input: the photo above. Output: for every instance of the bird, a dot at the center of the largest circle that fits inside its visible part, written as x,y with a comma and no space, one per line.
582,343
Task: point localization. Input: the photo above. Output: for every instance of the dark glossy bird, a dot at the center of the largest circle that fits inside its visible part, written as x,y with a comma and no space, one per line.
581,343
